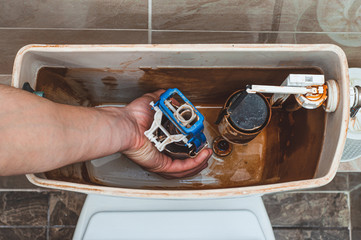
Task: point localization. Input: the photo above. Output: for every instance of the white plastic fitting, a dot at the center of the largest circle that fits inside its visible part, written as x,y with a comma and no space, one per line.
160,144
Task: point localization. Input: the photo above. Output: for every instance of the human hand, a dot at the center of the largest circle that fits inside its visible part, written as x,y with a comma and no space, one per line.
144,153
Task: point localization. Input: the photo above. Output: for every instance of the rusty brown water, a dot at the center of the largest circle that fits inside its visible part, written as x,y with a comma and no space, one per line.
287,150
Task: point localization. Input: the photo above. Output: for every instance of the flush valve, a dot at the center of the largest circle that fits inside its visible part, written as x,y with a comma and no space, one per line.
177,127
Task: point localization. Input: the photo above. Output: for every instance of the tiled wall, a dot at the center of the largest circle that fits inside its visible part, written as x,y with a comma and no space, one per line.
182,21
27,212
330,212
321,213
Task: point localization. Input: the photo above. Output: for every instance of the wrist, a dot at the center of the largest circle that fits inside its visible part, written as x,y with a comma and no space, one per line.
123,128
91,133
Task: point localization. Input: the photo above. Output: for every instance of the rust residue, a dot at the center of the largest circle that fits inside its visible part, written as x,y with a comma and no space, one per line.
88,87
214,85
221,147
180,194
125,64
110,82
318,96
58,88
65,185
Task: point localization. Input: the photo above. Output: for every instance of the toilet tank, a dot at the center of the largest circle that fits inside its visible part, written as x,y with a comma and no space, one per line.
306,156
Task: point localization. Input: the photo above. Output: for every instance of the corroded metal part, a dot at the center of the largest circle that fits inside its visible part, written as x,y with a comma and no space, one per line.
222,147
232,131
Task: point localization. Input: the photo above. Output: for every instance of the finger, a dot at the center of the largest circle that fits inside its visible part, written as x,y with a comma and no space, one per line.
180,166
195,169
186,173
195,172
175,102
154,95
159,92
189,173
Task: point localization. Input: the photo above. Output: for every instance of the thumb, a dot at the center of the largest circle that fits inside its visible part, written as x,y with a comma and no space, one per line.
154,96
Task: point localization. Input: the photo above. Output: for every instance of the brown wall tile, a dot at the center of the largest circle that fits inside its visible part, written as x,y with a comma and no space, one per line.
17,182
23,208
355,207
61,233
350,43
291,234
114,14
319,16
270,15
239,15
299,16
219,37
12,40
307,209
65,207
339,183
22,233
203,37
336,16
354,179
356,234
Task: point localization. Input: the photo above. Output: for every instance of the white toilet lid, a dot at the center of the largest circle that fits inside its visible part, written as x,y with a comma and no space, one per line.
209,224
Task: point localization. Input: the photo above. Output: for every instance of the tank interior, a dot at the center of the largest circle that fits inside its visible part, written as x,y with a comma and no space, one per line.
284,151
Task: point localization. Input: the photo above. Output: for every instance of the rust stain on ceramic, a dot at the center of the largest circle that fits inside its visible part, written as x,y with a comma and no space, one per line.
126,64
110,82
179,47
61,89
177,193
88,87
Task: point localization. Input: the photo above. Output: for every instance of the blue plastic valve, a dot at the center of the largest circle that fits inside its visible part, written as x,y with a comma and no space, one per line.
184,116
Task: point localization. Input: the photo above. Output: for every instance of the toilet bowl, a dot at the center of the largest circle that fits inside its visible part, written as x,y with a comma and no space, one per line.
224,203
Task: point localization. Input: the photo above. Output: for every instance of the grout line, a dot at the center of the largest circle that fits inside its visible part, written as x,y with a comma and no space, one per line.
349,214
309,227
355,187
173,30
23,190
62,226
312,191
48,219
76,29
149,21
23,226
277,10
261,31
